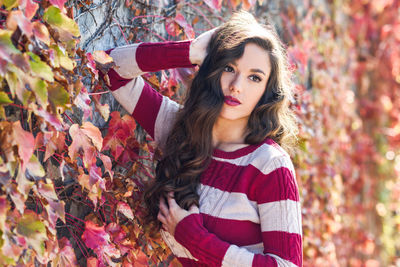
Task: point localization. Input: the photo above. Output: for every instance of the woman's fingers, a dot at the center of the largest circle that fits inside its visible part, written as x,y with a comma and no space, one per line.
163,207
171,201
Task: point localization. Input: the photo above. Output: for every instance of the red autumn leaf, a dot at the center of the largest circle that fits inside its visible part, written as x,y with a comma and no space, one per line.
92,262
107,164
83,101
119,130
103,109
188,29
50,118
95,236
25,142
172,27
41,32
66,256
29,7
16,17
86,138
125,209
95,177
58,3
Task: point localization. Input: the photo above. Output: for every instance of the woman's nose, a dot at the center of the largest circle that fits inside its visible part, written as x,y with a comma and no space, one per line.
236,84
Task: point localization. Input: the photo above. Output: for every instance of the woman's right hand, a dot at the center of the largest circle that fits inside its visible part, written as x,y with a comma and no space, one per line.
198,47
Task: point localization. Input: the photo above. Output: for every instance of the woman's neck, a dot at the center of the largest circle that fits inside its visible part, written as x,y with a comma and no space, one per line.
228,133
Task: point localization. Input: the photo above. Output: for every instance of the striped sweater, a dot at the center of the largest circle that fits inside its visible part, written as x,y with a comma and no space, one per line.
249,202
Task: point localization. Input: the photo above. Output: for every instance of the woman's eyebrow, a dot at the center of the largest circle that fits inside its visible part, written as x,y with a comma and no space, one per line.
258,70
251,70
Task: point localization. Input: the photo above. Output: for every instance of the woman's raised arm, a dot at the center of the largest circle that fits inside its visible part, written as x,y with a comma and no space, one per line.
152,111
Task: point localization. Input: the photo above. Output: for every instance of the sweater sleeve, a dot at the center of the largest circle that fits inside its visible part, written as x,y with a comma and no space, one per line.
151,110
280,218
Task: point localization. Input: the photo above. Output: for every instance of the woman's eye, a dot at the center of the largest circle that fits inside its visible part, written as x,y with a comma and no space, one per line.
228,69
255,78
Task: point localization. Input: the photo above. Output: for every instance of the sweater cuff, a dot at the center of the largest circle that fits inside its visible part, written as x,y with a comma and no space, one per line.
152,57
191,223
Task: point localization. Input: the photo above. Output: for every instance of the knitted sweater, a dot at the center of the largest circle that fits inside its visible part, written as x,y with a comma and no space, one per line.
250,212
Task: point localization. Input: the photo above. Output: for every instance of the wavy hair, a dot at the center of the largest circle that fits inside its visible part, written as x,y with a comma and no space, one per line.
189,145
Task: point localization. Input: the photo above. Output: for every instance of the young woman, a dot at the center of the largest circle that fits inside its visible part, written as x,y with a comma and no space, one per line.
225,192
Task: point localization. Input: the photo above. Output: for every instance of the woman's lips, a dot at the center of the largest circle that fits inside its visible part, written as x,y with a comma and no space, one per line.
231,101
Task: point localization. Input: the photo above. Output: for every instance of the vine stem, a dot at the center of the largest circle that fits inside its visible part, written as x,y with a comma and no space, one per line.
99,93
122,32
201,13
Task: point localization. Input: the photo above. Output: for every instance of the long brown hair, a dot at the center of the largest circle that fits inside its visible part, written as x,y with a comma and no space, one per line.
189,144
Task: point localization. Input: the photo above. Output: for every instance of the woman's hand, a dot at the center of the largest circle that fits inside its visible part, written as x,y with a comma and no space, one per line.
198,47
172,216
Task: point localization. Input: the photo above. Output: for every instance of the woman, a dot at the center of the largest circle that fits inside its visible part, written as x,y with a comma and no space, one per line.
225,192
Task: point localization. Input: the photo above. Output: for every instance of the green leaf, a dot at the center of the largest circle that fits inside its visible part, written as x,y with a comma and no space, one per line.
54,17
58,96
40,68
6,46
9,4
4,99
62,59
35,168
34,230
40,89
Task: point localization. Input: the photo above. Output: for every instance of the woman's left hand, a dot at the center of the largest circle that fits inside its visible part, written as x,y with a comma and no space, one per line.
170,217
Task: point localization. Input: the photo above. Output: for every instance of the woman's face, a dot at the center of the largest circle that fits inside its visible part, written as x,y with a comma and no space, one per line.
243,82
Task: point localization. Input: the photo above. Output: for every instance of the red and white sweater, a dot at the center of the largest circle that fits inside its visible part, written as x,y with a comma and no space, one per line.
250,212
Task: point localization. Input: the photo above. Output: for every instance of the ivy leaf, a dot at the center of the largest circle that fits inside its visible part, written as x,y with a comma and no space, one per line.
34,168
34,230
6,46
58,3
95,178
60,58
107,164
86,138
172,27
16,85
40,89
25,142
103,109
9,4
50,118
41,32
55,18
4,207
66,255
58,97
17,197
40,68
188,29
125,209
95,236
29,8
119,130
82,101
4,99
17,18
99,61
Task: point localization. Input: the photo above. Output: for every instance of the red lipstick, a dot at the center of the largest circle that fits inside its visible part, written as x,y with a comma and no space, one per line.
231,101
